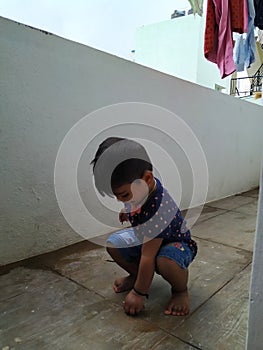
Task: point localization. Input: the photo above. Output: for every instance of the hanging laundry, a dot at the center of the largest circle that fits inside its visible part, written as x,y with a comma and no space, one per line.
239,52
245,45
260,37
238,13
218,43
258,4
197,6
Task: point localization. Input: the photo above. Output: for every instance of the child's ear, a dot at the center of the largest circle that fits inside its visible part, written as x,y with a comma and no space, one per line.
148,177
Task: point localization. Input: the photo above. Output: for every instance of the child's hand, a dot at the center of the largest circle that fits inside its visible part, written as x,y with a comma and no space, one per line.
133,303
123,216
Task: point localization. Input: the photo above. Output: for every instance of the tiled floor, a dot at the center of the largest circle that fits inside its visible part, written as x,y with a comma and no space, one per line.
65,300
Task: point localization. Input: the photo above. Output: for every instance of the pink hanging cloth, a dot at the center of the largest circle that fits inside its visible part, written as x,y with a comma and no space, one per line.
239,16
218,42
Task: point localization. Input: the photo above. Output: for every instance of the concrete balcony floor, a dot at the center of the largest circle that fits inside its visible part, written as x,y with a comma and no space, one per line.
64,300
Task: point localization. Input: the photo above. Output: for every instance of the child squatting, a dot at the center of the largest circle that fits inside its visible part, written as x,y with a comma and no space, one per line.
158,240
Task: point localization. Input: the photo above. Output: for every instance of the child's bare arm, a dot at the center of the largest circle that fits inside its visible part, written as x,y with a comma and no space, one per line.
147,264
134,302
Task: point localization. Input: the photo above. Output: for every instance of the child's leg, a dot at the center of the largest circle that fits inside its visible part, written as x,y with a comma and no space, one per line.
125,283
172,263
125,250
179,304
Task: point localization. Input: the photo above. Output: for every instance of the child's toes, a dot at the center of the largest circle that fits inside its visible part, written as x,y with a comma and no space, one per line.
116,287
124,284
178,305
169,310
178,311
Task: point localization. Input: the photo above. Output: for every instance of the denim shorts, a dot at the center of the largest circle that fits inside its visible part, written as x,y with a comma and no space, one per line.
130,248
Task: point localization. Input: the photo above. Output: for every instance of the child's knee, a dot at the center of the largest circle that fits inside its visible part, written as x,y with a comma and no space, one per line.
110,248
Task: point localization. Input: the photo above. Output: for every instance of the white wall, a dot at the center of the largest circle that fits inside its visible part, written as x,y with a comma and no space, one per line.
48,84
170,46
176,47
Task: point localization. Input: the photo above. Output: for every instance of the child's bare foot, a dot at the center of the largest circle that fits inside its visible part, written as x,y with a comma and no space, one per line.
124,284
179,304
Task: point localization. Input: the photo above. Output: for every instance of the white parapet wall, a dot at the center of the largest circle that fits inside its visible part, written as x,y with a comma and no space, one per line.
48,84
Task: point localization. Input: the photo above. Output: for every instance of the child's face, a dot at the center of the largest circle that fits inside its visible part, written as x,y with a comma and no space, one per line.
135,193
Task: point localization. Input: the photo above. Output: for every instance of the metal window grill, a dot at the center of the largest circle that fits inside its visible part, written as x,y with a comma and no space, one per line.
255,83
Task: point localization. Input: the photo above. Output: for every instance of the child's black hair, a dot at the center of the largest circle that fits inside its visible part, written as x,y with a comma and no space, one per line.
119,161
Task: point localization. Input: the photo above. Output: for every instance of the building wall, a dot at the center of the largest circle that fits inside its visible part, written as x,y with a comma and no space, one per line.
176,47
170,46
48,84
